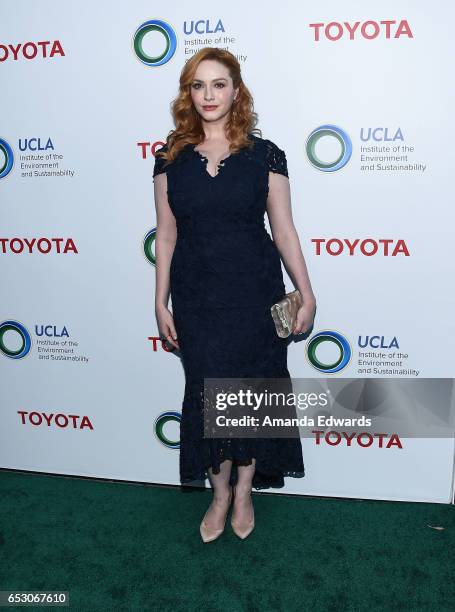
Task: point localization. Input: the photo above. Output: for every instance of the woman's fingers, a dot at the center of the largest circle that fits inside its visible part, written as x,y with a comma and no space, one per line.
174,343
168,338
300,326
173,332
171,336
169,333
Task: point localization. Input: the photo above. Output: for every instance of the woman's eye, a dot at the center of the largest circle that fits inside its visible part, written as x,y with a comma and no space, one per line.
198,85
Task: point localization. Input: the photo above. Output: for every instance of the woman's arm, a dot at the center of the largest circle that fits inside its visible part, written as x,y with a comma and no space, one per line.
166,236
279,212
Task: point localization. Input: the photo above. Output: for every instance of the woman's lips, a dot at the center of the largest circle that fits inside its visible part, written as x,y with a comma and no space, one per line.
209,108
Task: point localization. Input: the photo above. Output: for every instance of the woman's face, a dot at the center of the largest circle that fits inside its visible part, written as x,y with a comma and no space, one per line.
212,90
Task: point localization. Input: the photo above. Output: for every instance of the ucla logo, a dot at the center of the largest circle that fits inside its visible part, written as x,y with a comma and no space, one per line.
51,331
34,144
378,342
330,338
169,39
380,134
21,332
149,246
340,136
160,423
6,164
202,27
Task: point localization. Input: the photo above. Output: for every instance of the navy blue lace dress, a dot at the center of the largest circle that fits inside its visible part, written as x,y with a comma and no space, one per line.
225,274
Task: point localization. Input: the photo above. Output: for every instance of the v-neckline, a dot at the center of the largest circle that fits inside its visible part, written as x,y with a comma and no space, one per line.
204,159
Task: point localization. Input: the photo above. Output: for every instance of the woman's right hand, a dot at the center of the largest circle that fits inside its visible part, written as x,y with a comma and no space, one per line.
166,325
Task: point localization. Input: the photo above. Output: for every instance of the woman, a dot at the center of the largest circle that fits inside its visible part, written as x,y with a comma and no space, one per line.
213,181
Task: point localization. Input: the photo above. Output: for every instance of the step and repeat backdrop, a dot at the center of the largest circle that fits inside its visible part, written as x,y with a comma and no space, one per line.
360,99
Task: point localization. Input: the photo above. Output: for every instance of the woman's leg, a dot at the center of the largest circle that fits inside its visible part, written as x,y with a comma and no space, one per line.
216,513
243,504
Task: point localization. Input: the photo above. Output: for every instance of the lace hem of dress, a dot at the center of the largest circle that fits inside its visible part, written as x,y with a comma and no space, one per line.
263,478
276,458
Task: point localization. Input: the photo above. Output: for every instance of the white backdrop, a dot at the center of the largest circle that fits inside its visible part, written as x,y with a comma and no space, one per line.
84,395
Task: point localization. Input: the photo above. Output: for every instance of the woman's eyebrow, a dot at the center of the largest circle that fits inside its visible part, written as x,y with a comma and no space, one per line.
217,79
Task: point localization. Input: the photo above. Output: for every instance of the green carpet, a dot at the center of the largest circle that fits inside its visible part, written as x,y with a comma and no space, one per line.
117,546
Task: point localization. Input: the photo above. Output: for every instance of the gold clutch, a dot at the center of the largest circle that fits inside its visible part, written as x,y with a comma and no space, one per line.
284,313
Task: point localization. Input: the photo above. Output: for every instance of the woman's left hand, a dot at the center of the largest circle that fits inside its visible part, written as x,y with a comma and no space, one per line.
305,318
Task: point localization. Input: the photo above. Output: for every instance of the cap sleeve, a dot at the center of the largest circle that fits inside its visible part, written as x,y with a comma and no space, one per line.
276,158
160,162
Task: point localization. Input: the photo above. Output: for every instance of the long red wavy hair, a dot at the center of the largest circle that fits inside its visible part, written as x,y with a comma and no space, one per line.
188,123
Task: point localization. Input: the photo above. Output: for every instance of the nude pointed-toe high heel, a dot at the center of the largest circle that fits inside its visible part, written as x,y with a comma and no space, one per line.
207,534
243,530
